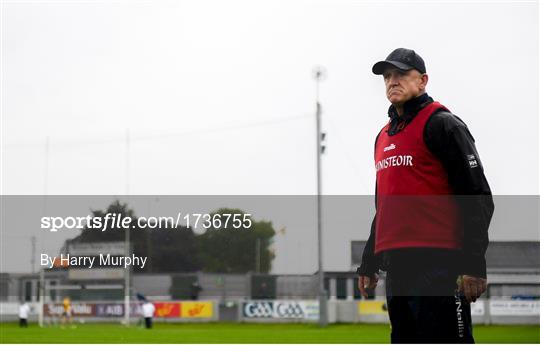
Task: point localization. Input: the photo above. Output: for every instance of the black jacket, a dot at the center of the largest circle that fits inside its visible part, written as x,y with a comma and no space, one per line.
449,139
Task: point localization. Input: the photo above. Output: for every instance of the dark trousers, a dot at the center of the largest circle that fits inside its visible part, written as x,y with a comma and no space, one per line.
423,304
23,322
429,319
148,322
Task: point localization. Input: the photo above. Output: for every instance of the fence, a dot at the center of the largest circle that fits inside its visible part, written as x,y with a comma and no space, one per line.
484,311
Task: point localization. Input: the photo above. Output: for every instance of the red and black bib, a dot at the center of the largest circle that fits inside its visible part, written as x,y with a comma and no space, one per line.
415,206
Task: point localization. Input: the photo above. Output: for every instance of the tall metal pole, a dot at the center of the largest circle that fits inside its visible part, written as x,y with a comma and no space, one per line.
41,290
33,254
127,248
319,74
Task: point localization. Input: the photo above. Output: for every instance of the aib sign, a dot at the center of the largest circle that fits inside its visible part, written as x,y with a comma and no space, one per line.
281,309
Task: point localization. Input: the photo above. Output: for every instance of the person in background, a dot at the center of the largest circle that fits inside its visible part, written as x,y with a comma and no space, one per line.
148,310
195,290
67,317
24,310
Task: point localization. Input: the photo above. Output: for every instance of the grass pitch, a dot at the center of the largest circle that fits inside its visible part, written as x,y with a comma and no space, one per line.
239,333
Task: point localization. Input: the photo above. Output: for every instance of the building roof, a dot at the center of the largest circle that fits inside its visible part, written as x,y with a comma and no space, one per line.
513,255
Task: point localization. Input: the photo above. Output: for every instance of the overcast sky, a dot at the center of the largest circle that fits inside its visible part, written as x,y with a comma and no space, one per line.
218,96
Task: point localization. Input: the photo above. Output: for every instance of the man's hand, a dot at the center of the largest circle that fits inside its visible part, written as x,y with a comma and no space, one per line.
365,282
472,287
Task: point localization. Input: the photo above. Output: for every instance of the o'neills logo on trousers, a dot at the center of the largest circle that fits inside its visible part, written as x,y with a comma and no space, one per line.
394,161
459,317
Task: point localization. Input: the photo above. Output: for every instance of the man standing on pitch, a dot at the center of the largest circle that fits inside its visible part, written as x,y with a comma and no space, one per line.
434,206
148,310
24,310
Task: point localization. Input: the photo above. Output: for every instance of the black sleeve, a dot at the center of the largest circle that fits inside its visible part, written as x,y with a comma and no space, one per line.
449,139
370,263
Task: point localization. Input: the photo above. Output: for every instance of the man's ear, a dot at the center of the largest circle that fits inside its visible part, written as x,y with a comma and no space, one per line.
425,79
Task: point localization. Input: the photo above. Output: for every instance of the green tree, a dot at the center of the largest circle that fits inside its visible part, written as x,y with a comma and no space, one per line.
168,249
232,250
224,250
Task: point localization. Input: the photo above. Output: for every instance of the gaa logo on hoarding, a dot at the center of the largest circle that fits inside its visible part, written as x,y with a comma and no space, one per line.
276,310
259,309
289,309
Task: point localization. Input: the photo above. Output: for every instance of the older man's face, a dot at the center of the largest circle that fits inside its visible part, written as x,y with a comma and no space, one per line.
403,85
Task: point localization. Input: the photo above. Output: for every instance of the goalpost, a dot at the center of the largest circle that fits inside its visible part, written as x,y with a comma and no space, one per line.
54,316
86,283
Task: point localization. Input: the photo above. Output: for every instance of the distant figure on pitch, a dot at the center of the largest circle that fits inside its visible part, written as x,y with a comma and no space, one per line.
66,314
24,310
148,310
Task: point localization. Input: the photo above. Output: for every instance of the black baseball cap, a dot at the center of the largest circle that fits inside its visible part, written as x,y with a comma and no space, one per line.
403,59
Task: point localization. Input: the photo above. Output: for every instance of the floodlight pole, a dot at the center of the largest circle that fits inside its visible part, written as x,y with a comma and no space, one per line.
41,290
319,74
33,254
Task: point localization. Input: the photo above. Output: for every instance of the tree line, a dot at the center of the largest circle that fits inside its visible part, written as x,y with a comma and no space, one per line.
180,249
